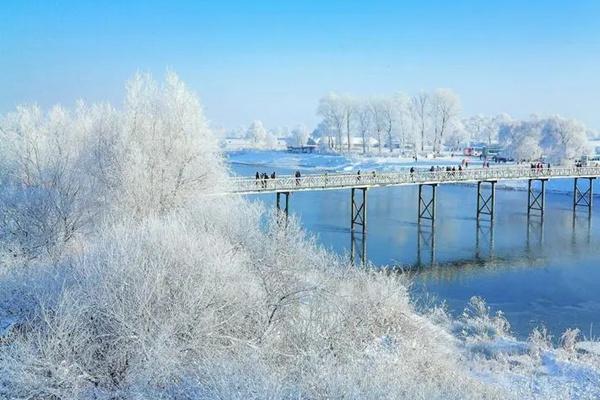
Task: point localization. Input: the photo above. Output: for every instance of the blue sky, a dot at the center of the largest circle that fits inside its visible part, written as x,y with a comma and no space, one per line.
272,60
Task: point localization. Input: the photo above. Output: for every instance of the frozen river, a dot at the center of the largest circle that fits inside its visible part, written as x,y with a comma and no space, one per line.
536,274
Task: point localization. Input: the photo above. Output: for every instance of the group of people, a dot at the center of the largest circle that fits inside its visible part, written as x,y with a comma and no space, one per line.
447,169
539,166
262,178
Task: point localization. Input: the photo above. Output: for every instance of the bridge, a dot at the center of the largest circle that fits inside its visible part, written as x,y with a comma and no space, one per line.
427,181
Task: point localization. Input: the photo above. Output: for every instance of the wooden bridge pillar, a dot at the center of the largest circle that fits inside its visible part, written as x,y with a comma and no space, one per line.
427,208
283,213
581,197
358,212
536,199
486,202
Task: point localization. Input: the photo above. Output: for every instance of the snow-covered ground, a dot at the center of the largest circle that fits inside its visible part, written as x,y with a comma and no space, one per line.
316,163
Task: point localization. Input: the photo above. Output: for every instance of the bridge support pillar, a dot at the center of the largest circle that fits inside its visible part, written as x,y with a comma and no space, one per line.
358,210
536,198
427,207
486,202
583,197
358,249
282,212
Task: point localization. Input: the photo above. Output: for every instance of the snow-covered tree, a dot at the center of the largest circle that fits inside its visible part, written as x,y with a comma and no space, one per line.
325,133
420,105
445,108
299,135
404,124
522,140
259,136
257,133
457,136
364,123
563,139
485,129
332,110
379,107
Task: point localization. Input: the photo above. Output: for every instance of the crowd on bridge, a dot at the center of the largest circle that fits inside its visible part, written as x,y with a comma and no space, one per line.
263,178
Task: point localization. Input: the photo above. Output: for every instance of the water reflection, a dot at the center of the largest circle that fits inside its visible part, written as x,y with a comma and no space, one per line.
584,221
535,233
484,240
358,248
425,245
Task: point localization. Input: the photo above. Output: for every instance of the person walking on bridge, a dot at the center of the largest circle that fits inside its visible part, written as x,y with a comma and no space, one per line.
257,178
297,175
358,176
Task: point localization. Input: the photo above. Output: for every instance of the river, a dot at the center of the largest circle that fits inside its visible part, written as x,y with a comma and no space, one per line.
538,273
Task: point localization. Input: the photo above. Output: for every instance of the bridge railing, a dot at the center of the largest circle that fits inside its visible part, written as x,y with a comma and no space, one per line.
366,179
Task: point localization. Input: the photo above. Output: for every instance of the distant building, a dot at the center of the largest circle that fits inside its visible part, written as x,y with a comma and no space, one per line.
307,148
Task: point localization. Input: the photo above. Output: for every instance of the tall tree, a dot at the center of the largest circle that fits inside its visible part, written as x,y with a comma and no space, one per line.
364,122
333,112
445,107
420,105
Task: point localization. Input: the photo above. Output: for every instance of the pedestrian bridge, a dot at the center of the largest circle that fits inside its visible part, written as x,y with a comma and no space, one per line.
327,181
427,182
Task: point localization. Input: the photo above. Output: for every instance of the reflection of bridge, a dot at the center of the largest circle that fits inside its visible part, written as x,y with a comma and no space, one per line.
427,182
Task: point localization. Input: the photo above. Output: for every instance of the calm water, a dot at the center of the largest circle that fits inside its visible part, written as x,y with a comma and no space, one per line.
538,274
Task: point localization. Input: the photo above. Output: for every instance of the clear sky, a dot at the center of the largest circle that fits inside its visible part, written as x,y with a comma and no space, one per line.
272,60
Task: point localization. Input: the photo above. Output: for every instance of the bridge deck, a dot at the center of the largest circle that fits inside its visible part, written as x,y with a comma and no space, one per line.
245,185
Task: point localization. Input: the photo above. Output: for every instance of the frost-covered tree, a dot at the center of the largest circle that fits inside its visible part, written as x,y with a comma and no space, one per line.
522,140
485,129
420,104
457,136
445,108
299,135
257,133
325,133
259,136
364,123
556,138
379,107
333,112
563,139
163,121
404,124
